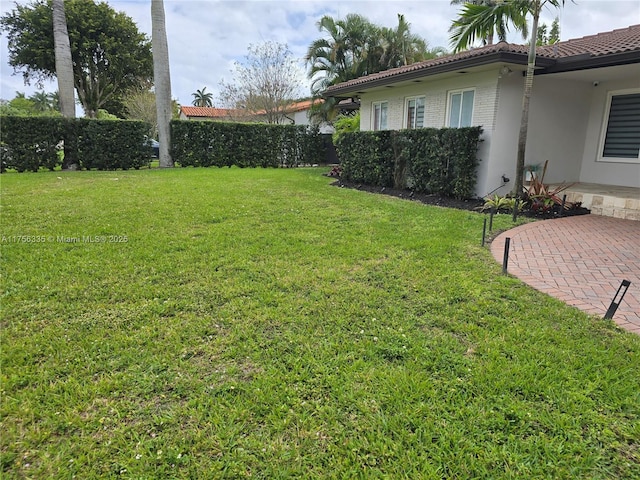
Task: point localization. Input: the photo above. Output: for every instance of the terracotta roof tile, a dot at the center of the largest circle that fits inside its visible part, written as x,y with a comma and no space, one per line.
606,43
207,112
599,45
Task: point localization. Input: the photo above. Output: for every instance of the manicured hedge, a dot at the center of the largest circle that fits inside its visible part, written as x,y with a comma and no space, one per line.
223,144
112,144
31,143
28,143
429,160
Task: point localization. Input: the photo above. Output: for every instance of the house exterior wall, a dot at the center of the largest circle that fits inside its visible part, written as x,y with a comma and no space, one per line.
592,170
557,127
436,94
565,122
302,118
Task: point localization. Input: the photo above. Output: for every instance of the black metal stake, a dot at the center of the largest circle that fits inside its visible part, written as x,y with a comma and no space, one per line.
505,258
492,212
564,201
484,230
515,210
614,305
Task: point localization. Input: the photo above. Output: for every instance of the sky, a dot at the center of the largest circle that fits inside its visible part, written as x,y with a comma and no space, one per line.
207,37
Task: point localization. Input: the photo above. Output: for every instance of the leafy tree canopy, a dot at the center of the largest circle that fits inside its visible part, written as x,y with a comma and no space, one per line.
553,35
38,104
109,54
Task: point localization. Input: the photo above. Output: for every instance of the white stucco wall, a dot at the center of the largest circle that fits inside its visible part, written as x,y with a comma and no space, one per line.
594,171
565,122
557,126
302,118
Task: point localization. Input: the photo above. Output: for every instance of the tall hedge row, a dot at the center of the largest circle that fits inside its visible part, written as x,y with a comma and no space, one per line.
111,144
29,143
441,161
223,144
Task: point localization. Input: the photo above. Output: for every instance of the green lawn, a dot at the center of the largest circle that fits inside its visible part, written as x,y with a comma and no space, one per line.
227,323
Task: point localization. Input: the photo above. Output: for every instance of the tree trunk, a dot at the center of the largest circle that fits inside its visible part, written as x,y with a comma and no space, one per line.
162,80
64,64
526,98
64,73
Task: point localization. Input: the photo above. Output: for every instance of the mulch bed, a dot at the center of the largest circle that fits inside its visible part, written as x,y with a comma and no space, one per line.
471,204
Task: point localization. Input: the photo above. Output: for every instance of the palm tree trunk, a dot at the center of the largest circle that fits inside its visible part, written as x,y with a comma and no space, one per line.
64,63
162,81
64,73
526,98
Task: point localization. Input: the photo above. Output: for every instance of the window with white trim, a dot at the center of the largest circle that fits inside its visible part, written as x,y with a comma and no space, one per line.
380,115
620,139
415,112
460,108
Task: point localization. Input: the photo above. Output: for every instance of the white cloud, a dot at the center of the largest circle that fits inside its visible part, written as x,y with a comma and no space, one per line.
206,37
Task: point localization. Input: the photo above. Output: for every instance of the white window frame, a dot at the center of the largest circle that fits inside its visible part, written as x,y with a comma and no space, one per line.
382,104
605,125
460,92
406,111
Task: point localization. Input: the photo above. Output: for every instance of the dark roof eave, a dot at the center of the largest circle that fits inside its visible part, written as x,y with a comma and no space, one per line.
495,57
586,62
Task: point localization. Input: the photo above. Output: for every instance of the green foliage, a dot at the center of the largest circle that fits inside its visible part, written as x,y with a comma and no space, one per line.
202,99
223,144
499,203
112,145
550,38
103,114
442,161
40,103
345,124
31,143
353,46
484,20
366,157
109,54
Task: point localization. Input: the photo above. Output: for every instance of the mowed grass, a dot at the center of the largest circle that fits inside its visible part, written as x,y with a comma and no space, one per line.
259,323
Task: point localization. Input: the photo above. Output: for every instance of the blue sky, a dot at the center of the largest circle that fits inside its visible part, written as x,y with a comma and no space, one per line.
206,37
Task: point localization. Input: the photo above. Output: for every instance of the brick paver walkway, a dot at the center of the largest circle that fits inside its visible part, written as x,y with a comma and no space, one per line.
580,260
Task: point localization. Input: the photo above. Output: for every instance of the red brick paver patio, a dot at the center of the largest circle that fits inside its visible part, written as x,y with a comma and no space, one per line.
580,260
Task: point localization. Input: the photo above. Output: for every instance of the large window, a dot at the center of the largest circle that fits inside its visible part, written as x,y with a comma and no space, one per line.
415,112
380,116
621,130
460,108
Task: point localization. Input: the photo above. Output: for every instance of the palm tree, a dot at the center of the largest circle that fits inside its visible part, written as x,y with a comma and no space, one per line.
162,79
41,101
479,21
202,99
347,53
401,47
64,73
64,63
353,47
486,19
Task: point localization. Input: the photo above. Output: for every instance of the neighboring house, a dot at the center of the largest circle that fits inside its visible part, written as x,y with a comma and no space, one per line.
297,113
584,111
210,113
